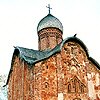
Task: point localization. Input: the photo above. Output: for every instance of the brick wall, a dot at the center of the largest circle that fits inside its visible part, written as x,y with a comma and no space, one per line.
64,76
49,38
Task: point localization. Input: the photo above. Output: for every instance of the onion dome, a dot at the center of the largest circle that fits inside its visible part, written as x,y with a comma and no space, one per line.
49,21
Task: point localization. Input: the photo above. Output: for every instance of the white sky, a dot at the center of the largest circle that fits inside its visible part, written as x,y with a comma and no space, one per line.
19,20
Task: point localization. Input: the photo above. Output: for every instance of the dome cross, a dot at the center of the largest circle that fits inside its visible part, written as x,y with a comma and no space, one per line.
49,7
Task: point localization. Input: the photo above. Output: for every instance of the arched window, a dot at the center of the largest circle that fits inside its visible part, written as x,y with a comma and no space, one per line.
47,67
75,84
46,84
69,88
82,89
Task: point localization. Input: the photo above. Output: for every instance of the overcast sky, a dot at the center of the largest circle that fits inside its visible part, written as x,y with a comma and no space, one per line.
19,20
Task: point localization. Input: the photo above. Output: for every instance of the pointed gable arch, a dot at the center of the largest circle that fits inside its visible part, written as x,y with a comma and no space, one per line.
75,40
75,86
83,46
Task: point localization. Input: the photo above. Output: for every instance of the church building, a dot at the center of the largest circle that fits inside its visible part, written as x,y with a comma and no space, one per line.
58,70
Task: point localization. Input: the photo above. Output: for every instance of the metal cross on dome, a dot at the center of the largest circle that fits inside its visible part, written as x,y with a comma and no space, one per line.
49,7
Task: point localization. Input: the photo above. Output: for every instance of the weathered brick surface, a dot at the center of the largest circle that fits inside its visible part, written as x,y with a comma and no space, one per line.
67,75
49,38
75,81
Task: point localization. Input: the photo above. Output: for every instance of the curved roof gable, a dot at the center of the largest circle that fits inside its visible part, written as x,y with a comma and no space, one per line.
77,40
33,56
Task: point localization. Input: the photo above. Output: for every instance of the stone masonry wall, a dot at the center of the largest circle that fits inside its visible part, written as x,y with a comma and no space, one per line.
15,85
74,72
49,38
67,75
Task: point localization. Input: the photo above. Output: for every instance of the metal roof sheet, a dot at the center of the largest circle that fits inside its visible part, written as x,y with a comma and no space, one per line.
49,21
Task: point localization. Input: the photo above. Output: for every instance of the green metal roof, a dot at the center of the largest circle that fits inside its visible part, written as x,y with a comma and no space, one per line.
33,56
